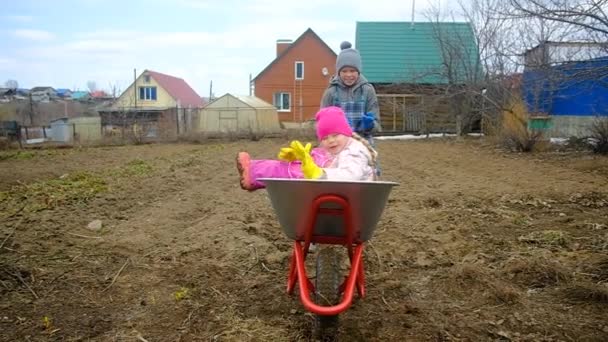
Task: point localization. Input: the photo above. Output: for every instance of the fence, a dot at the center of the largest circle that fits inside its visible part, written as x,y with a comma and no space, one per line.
415,113
109,128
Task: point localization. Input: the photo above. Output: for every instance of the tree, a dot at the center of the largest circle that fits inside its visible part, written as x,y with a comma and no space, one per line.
114,90
92,85
12,84
464,51
588,16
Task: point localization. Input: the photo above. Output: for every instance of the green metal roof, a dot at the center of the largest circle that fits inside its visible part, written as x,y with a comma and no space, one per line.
402,52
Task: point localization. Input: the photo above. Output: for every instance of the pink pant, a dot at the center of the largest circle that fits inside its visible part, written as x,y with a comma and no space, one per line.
270,168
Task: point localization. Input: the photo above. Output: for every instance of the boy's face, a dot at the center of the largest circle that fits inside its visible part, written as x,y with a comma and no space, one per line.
334,143
349,75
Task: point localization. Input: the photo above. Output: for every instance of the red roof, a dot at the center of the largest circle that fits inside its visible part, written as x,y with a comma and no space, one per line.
99,93
178,89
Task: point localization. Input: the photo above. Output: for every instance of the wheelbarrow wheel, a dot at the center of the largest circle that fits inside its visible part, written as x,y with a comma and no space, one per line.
327,286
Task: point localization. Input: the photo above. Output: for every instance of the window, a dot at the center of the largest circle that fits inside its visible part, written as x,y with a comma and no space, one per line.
146,78
299,70
147,93
282,101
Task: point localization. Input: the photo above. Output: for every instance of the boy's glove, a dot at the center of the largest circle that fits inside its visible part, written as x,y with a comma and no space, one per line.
302,153
367,121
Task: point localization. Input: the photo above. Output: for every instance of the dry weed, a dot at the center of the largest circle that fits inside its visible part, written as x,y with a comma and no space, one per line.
474,279
587,292
535,272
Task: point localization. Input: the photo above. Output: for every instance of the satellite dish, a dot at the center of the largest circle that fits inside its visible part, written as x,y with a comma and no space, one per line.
324,71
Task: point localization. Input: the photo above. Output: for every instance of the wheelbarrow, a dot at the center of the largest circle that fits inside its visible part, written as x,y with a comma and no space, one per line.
328,214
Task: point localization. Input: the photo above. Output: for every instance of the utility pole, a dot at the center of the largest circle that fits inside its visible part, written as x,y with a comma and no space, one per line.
413,9
135,87
31,109
250,85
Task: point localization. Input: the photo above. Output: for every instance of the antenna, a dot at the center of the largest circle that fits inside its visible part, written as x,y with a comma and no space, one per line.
413,10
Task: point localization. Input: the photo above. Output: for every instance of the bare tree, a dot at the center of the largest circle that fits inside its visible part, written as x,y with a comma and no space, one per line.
114,90
92,85
580,25
12,84
465,50
589,16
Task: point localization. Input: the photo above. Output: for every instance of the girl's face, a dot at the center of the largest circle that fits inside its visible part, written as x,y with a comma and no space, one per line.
349,75
334,143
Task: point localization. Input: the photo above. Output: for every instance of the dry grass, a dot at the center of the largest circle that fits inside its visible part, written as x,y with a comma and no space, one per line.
587,292
548,238
473,279
598,270
536,272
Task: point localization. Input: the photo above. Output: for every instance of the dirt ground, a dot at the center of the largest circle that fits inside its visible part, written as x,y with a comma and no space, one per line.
475,244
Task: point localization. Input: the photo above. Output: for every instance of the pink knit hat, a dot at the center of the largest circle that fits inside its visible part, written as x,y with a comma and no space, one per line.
332,120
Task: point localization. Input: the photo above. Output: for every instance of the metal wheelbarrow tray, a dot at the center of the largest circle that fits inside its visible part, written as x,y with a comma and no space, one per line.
327,212
292,199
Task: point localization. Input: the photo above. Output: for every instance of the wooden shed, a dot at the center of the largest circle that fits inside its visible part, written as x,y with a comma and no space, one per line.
241,115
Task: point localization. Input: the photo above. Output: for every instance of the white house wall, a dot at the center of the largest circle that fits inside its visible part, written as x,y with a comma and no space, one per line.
565,126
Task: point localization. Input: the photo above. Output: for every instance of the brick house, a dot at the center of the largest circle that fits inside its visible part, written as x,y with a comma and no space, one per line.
295,80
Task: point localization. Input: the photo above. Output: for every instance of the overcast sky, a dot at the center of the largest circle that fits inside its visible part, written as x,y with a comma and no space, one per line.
66,43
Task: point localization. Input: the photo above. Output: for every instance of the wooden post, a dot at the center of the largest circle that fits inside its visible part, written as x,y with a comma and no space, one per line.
394,113
404,114
177,119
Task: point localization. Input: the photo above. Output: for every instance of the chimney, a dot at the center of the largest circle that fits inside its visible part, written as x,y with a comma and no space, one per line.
282,45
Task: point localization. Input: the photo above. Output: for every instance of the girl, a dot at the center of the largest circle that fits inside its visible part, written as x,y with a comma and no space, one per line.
342,155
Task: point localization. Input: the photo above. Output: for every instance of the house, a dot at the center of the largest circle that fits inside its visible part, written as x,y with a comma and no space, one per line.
549,53
101,95
43,94
239,115
153,90
7,94
23,92
567,98
64,93
296,79
157,101
412,65
80,95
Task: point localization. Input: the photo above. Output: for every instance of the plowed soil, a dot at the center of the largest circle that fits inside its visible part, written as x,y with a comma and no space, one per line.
475,244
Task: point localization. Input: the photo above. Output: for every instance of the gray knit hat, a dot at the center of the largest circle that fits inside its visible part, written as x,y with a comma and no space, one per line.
348,57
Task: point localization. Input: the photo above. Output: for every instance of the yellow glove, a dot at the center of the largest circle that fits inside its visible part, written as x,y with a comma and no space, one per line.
287,154
302,153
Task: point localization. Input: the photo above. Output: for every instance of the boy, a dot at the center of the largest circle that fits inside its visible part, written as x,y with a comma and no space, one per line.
351,91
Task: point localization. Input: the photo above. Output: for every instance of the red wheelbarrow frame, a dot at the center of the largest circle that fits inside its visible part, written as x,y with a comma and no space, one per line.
297,269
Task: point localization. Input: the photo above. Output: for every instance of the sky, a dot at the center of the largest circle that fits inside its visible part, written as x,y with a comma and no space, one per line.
67,43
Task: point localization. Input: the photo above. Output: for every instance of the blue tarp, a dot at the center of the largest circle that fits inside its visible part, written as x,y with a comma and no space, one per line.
577,89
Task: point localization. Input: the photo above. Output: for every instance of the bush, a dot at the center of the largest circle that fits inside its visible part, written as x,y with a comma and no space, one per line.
522,140
599,136
577,143
514,131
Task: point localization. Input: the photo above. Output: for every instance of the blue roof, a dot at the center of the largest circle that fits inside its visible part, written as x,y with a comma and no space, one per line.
61,91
